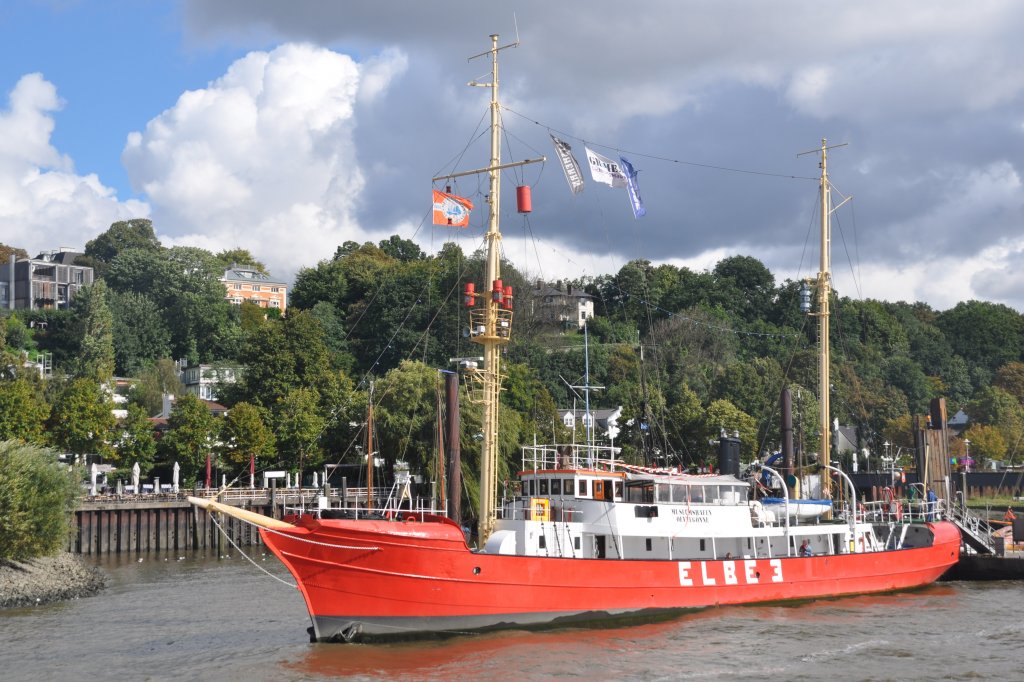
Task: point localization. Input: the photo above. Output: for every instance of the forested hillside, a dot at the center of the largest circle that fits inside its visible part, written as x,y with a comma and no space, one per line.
717,348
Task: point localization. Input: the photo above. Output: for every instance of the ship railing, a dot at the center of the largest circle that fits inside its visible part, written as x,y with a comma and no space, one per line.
902,511
570,456
521,509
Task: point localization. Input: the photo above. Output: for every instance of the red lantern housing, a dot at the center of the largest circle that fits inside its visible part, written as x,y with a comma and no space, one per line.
524,202
470,296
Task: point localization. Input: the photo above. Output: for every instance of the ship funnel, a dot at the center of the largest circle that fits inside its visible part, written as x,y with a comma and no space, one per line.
729,455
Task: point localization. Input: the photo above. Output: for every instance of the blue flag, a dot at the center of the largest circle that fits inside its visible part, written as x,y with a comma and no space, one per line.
634,191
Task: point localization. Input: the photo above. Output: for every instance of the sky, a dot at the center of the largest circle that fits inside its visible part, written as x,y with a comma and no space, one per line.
289,128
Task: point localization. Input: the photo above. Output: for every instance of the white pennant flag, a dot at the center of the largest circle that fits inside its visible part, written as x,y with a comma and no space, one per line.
604,170
569,165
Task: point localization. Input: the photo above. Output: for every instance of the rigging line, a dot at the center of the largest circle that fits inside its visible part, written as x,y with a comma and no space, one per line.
655,157
478,132
213,518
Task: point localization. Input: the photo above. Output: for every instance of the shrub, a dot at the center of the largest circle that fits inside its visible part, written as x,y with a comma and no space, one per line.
37,496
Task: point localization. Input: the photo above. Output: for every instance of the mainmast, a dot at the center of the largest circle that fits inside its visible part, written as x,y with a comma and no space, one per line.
491,322
824,291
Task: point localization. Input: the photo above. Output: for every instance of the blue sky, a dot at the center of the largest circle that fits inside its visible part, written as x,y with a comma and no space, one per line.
288,128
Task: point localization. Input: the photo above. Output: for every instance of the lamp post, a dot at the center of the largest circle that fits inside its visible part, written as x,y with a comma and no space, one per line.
967,455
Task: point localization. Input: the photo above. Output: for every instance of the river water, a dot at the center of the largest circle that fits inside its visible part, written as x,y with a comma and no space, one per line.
196,617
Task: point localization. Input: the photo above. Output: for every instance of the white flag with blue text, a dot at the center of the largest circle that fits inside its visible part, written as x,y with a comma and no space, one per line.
634,190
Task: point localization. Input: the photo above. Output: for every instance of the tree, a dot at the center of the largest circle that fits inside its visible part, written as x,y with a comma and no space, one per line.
745,286
299,424
82,421
155,381
406,416
37,497
191,431
401,249
721,414
245,433
136,233
23,411
230,258
136,442
987,443
985,334
95,323
1010,378
140,335
7,251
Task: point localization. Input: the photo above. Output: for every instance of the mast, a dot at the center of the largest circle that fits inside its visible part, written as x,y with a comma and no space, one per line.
490,323
369,451
824,289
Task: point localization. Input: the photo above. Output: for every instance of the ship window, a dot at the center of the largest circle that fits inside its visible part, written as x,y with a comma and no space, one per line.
582,492
618,490
664,492
696,493
576,542
648,541
702,544
543,486
568,486
528,486
556,486
542,541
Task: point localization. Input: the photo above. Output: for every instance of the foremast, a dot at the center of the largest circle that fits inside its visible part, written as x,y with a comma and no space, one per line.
490,318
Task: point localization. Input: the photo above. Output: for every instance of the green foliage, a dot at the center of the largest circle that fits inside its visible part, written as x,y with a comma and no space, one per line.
94,323
7,251
299,424
37,496
406,417
82,421
140,334
136,442
229,258
17,336
136,233
984,334
23,411
156,380
245,432
190,437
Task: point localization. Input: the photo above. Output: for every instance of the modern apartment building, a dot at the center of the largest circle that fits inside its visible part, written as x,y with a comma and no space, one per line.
50,280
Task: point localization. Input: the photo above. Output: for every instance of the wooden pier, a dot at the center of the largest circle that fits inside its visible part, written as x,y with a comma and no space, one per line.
167,522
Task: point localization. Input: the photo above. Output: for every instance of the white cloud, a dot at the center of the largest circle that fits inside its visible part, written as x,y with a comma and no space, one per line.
263,157
44,204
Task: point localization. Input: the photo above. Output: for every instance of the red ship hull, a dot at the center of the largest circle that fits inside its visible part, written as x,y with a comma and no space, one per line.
377,579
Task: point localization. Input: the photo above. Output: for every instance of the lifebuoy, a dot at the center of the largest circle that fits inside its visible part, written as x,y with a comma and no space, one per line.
410,517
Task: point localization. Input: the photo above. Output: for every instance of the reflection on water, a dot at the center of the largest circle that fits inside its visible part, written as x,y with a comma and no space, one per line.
196,617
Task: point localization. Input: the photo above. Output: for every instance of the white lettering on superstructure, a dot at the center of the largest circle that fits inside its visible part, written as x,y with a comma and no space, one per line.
684,574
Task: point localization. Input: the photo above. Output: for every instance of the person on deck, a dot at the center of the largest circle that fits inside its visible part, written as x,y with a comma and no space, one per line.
805,548
1009,515
932,503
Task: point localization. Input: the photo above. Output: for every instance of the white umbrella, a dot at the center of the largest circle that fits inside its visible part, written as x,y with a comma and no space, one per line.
93,473
316,481
136,471
174,477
